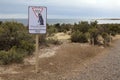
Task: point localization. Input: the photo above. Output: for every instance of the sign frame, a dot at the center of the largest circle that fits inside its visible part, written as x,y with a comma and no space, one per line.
39,29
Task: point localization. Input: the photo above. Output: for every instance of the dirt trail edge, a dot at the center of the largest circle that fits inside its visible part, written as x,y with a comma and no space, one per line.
102,67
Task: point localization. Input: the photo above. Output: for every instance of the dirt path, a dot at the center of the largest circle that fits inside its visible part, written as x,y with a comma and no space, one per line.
102,67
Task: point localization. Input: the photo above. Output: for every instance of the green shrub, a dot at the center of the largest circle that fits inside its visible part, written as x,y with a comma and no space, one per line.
15,42
1,22
26,47
106,38
51,30
77,36
94,32
15,34
11,56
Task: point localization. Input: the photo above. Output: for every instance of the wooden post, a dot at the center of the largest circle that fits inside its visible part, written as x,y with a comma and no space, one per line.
110,39
37,53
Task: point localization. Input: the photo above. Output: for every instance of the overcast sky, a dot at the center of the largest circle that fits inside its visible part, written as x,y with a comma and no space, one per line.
62,8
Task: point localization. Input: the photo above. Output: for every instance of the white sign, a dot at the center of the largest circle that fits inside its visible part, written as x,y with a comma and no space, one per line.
37,19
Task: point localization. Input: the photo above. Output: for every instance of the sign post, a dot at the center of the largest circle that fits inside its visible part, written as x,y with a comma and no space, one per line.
37,53
37,25
110,39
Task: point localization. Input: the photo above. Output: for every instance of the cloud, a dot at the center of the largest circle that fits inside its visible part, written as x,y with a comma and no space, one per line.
12,16
63,8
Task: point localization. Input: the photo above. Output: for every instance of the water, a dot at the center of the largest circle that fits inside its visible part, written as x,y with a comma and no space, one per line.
108,21
49,21
67,21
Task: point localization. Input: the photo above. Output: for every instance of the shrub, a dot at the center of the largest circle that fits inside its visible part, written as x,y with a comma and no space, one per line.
106,38
46,41
1,22
15,34
77,36
82,26
11,56
12,33
15,42
53,41
51,30
42,40
27,47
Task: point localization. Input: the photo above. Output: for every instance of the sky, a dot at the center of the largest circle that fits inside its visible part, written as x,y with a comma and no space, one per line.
62,9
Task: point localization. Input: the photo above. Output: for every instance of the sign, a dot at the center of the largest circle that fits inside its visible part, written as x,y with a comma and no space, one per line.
37,19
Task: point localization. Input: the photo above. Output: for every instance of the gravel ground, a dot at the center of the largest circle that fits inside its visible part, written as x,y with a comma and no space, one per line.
103,67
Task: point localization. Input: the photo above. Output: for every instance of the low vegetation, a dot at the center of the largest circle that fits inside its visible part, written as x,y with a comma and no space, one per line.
86,32
15,42
11,56
91,31
48,41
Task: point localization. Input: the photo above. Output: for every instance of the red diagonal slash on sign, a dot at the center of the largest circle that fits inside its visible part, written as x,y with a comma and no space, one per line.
37,10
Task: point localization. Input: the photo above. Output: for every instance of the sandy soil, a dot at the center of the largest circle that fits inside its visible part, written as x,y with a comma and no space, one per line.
116,37
62,36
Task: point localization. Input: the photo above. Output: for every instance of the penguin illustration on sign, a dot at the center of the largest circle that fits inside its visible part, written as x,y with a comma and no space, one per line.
40,19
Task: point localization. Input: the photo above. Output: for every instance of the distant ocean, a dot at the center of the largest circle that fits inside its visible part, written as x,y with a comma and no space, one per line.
67,21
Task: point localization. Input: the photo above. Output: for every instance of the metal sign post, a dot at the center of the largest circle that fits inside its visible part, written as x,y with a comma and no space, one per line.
37,25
